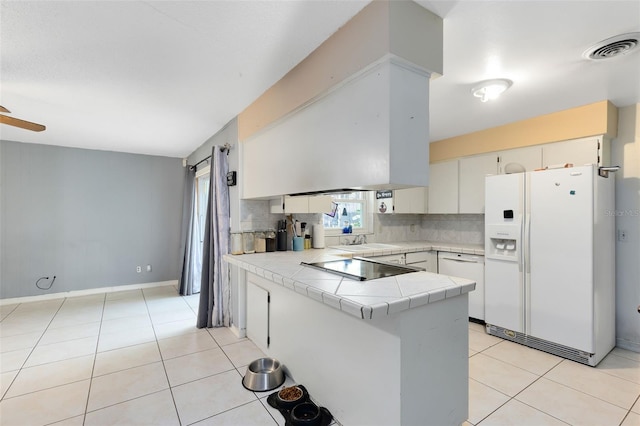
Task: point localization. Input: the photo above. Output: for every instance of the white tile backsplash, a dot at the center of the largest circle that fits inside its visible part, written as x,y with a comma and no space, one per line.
451,228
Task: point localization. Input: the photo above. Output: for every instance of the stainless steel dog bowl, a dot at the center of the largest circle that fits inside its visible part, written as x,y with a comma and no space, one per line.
263,374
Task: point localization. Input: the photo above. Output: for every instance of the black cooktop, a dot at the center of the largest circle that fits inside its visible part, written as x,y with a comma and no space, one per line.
361,269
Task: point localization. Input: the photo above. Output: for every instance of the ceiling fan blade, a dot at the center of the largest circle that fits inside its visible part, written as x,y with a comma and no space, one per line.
3,109
23,124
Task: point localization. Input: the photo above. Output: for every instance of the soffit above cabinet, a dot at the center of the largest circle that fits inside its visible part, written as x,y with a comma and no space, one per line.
368,131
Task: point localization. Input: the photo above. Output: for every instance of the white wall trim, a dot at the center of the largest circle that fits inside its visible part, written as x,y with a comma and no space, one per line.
77,293
628,345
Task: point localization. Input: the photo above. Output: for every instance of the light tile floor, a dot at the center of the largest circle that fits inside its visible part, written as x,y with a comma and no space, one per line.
135,357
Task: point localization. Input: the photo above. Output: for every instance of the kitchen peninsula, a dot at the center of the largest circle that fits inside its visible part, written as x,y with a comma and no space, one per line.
387,351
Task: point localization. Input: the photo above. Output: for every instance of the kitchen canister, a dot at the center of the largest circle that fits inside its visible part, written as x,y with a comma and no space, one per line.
248,242
270,237
260,242
317,236
236,243
281,242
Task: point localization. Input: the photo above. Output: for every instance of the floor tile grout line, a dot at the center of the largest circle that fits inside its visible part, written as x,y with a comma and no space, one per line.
126,400
269,412
588,394
95,357
514,398
7,316
164,366
565,386
517,366
625,417
613,375
222,412
539,377
2,397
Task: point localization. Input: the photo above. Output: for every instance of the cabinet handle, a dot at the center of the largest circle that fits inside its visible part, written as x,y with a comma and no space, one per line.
459,260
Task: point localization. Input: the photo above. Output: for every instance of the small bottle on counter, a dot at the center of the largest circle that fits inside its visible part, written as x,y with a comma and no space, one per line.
307,241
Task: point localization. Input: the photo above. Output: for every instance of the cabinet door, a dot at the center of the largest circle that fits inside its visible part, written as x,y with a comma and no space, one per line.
428,260
530,158
307,204
258,315
472,171
410,200
320,204
276,205
443,187
298,204
577,152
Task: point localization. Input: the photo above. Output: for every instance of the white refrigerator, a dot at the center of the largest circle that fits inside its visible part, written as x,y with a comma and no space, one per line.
550,261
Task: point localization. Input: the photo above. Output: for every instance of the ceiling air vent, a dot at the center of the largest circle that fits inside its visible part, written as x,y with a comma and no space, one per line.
612,47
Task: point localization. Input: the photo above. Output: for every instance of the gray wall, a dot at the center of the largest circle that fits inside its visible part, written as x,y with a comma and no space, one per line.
87,217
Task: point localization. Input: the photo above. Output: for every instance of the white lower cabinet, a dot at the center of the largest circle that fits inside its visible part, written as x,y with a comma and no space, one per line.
427,260
258,300
470,267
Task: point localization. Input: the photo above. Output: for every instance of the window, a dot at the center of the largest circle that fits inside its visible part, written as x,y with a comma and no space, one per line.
352,208
202,195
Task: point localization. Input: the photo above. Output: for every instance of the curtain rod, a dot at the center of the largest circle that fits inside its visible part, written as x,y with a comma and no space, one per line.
225,147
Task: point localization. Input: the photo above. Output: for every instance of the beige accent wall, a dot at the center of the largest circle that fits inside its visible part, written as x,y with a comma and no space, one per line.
600,118
401,28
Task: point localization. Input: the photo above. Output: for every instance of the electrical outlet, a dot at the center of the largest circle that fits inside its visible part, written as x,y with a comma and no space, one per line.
148,268
138,269
622,235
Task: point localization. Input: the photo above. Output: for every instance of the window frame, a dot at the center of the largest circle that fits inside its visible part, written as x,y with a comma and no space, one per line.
367,212
205,171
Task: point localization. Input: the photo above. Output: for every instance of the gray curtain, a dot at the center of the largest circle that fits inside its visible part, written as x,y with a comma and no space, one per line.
188,231
213,310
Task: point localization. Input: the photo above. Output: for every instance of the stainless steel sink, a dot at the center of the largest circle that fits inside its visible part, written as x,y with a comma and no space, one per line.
366,247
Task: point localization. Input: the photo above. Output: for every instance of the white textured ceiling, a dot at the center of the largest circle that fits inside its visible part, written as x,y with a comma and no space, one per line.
161,77
154,77
538,45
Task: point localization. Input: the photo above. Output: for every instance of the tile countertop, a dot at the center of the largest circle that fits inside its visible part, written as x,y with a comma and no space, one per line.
379,249
363,299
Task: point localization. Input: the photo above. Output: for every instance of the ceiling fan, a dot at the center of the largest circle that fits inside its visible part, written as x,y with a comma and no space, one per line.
23,124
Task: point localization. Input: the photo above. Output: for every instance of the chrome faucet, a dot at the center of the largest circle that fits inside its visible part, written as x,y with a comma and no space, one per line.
357,240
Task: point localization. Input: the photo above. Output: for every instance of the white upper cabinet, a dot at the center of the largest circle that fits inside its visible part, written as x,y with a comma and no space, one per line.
472,171
301,204
530,158
443,187
410,200
577,152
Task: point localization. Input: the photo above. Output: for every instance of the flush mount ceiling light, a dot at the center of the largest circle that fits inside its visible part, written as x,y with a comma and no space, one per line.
613,47
491,89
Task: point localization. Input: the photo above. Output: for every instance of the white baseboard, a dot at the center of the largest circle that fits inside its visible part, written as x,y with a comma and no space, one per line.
239,333
628,345
76,293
